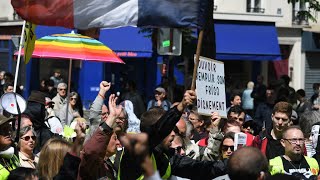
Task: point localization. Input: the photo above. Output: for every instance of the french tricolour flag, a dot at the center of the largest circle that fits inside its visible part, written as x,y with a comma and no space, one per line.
85,14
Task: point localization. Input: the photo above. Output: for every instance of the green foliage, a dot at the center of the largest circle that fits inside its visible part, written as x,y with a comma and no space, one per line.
314,6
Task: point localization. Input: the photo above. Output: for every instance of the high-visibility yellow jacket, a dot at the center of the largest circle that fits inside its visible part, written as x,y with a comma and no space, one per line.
276,165
4,172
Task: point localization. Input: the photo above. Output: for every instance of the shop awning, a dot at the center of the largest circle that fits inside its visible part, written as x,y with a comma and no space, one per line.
42,31
246,41
127,42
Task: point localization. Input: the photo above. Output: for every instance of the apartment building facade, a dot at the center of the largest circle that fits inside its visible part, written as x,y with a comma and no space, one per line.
295,37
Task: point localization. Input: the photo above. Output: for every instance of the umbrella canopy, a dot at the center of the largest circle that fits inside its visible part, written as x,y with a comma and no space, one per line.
73,46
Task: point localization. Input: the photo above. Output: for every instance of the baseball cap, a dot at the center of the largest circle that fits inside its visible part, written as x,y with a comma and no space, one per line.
247,118
160,89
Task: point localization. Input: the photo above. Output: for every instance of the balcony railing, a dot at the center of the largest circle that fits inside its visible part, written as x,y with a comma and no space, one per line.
300,18
255,10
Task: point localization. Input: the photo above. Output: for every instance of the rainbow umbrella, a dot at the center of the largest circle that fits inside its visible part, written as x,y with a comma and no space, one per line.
73,46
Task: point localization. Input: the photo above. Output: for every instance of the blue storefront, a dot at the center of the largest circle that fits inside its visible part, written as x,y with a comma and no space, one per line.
245,47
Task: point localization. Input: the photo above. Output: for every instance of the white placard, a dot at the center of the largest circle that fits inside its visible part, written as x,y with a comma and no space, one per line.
210,87
240,140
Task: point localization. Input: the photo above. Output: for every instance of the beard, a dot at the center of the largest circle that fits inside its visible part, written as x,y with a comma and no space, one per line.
121,127
118,128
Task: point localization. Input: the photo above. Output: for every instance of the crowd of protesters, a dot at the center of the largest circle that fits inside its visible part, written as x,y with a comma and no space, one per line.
125,137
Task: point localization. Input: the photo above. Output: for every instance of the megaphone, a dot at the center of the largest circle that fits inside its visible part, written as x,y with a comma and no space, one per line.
9,102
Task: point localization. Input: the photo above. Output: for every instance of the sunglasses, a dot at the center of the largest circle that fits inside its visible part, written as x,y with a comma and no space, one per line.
73,99
247,124
226,148
178,149
122,118
27,138
158,93
62,89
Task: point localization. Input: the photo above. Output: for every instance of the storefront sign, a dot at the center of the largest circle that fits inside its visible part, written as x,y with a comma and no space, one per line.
210,87
127,54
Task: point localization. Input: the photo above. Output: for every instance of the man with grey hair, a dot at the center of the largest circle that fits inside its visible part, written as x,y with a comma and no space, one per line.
99,112
60,99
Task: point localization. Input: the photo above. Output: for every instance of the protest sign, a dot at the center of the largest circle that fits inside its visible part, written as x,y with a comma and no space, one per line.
210,87
29,42
240,140
315,135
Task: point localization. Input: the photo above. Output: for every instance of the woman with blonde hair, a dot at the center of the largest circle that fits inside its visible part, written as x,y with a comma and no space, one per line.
59,159
52,157
26,144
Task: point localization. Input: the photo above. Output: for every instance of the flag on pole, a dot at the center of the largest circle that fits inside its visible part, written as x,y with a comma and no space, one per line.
85,14
29,40
209,38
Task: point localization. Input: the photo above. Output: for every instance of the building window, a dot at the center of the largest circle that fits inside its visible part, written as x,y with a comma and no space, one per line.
255,6
300,10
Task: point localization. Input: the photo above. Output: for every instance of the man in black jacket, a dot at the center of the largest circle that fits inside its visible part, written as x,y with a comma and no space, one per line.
159,126
37,113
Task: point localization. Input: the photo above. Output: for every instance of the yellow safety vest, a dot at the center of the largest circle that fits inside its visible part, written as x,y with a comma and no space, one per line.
4,173
154,164
276,165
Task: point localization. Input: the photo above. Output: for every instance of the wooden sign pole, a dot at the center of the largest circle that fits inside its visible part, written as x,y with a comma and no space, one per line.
196,63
